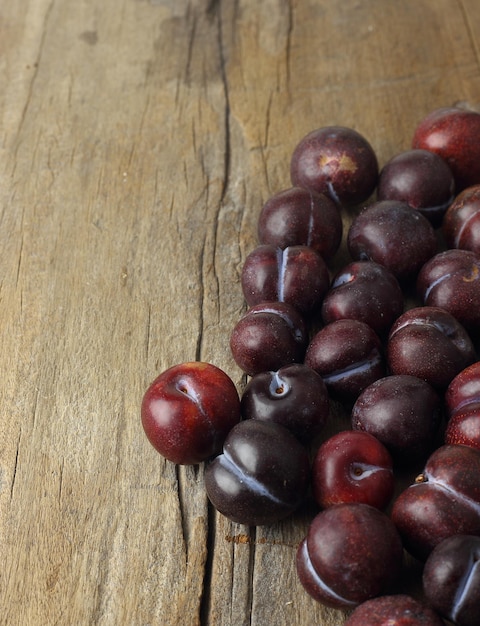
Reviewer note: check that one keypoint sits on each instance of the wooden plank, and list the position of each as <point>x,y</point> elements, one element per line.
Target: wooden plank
<point>139,140</point>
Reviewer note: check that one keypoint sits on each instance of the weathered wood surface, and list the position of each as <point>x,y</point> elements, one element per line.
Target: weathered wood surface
<point>138,142</point>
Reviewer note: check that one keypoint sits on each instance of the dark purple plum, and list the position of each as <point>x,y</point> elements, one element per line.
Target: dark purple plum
<point>451,280</point>
<point>295,396</point>
<point>365,291</point>
<point>348,356</point>
<point>267,337</point>
<point>352,552</point>
<point>462,400</point>
<point>451,579</point>
<point>461,223</point>
<point>403,412</point>
<point>443,501</point>
<point>393,234</point>
<point>431,344</point>
<point>298,216</point>
<point>297,275</point>
<point>262,475</point>
<point>454,134</point>
<point>420,178</point>
<point>336,161</point>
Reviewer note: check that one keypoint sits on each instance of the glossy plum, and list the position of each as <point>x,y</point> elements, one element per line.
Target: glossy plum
<point>352,552</point>
<point>267,337</point>
<point>295,396</point>
<point>443,501</point>
<point>420,178</point>
<point>298,216</point>
<point>336,161</point>
<point>403,412</point>
<point>462,400</point>
<point>297,275</point>
<point>352,466</point>
<point>348,356</point>
<point>393,234</point>
<point>451,280</point>
<point>454,134</point>
<point>262,475</point>
<point>365,291</point>
<point>451,579</point>
<point>188,410</point>
<point>431,344</point>
<point>394,610</point>
<point>461,223</point>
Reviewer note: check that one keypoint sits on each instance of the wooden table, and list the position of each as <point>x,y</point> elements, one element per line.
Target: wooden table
<point>139,140</point>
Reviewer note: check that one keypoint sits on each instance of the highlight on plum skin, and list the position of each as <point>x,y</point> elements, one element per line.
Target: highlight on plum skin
<point>188,410</point>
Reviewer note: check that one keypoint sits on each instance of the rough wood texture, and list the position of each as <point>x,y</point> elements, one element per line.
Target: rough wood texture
<point>138,142</point>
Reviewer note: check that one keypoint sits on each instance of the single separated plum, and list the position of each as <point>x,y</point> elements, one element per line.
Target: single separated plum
<point>451,579</point>
<point>336,161</point>
<point>295,396</point>
<point>454,134</point>
<point>443,501</point>
<point>352,466</point>
<point>299,216</point>
<point>188,410</point>
<point>393,234</point>
<point>420,178</point>
<point>261,476</point>
<point>462,400</point>
<point>451,280</point>
<point>461,222</point>
<point>403,412</point>
<point>365,291</point>
<point>297,275</point>
<point>394,610</point>
<point>352,552</point>
<point>267,337</point>
<point>431,344</point>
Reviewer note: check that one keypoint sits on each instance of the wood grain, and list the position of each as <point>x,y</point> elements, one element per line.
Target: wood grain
<point>139,140</point>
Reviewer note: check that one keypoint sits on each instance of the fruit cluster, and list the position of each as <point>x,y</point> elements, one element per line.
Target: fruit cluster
<point>408,374</point>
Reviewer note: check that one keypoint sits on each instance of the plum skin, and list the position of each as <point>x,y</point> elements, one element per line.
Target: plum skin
<point>294,396</point>
<point>422,179</point>
<point>352,552</point>
<point>267,337</point>
<point>365,291</point>
<point>443,501</point>
<point>336,161</point>
<point>452,133</point>
<point>451,579</point>
<point>188,410</point>
<point>297,275</point>
<point>451,280</point>
<point>461,222</point>
<point>298,216</point>
<point>393,234</point>
<point>403,412</point>
<point>430,343</point>
<point>352,466</point>
<point>348,356</point>
<point>394,610</point>
<point>261,476</point>
<point>462,400</point>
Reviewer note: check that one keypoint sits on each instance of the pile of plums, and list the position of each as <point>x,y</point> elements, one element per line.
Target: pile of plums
<point>392,336</point>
